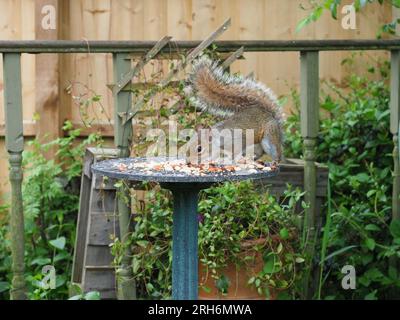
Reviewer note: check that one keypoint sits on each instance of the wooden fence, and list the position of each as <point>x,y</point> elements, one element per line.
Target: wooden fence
<point>309,74</point>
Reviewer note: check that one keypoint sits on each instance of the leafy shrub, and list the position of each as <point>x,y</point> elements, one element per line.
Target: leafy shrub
<point>354,140</point>
<point>50,210</point>
<point>229,215</point>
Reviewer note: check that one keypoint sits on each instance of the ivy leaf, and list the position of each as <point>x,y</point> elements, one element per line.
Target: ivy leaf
<point>206,289</point>
<point>58,243</point>
<point>269,263</point>
<point>222,284</point>
<point>284,233</point>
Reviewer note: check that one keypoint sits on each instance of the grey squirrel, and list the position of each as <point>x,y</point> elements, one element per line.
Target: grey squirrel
<point>243,104</point>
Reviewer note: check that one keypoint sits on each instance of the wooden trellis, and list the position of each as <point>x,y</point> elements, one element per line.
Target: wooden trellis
<point>309,49</point>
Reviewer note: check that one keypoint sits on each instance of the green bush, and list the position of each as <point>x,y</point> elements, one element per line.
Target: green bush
<point>229,215</point>
<point>50,210</point>
<point>355,141</point>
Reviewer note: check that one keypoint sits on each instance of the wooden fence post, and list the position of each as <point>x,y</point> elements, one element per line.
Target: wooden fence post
<point>309,117</point>
<point>122,140</point>
<point>15,146</point>
<point>394,128</point>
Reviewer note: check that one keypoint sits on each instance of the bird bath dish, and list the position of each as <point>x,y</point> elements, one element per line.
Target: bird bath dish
<point>185,181</point>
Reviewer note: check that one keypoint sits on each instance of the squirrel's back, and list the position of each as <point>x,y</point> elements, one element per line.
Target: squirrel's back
<point>222,94</point>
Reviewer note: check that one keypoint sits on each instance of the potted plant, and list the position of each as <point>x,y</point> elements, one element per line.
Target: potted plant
<point>246,246</point>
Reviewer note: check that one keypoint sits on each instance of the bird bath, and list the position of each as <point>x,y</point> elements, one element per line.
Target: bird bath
<point>185,184</point>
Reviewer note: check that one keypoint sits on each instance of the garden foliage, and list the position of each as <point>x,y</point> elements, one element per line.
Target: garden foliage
<point>355,141</point>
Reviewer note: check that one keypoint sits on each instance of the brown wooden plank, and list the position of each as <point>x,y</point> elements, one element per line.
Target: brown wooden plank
<point>102,281</point>
<point>47,107</point>
<point>80,239</point>
<point>103,226</point>
<point>104,184</point>
<point>29,128</point>
<point>232,58</point>
<point>98,256</point>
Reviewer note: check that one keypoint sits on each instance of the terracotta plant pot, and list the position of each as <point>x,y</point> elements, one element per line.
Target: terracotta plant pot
<point>239,289</point>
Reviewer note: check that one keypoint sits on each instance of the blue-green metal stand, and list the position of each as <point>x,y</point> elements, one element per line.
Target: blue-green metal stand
<point>184,245</point>
<point>184,239</point>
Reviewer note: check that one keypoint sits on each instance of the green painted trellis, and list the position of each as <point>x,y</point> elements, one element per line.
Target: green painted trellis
<point>309,49</point>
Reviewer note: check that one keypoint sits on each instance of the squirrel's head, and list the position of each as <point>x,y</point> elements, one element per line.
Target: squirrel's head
<point>199,147</point>
<point>216,145</point>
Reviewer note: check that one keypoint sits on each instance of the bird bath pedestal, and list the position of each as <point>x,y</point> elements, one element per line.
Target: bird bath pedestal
<point>185,188</point>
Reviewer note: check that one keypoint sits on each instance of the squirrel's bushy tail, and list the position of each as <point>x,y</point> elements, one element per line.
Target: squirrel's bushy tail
<point>222,94</point>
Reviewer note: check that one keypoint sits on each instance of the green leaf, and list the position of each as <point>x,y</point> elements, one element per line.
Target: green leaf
<point>269,263</point>
<point>58,243</point>
<point>64,255</point>
<point>299,260</point>
<point>372,227</point>
<point>96,98</point>
<point>142,243</point>
<point>284,295</point>
<point>92,295</point>
<point>333,9</point>
<point>206,289</point>
<point>362,177</point>
<point>370,243</point>
<point>395,3</point>
<point>223,284</point>
<point>317,13</point>
<point>4,286</point>
<point>41,261</point>
<point>371,296</point>
<point>135,264</point>
<point>302,24</point>
<point>371,192</point>
<point>284,233</point>
<point>338,252</point>
<point>395,228</point>
<point>373,274</point>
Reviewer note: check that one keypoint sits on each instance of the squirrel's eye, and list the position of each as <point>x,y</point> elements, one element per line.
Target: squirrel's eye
<point>199,149</point>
